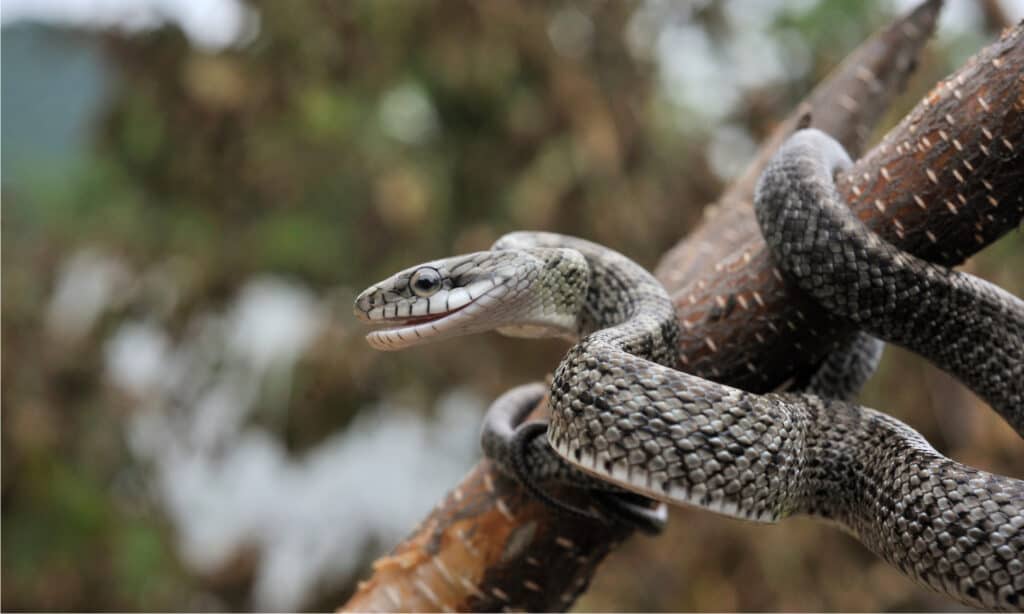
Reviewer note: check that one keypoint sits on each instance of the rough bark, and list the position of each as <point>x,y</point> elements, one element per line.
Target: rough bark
<point>943,184</point>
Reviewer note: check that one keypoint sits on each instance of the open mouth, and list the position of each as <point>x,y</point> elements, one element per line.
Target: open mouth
<point>397,328</point>
<point>401,332</point>
<point>416,320</point>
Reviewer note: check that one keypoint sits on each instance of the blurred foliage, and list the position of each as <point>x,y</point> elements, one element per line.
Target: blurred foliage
<point>349,140</point>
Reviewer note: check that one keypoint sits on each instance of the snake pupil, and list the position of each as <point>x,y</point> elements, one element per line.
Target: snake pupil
<point>425,282</point>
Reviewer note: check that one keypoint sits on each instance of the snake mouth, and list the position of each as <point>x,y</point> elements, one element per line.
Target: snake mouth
<point>397,322</point>
<point>397,332</point>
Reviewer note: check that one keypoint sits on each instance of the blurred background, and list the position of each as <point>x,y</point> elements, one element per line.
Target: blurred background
<point>194,191</point>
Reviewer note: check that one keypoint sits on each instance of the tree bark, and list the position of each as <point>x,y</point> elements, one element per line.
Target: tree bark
<point>944,183</point>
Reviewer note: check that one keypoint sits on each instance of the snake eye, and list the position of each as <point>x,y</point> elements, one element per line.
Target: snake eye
<point>425,282</point>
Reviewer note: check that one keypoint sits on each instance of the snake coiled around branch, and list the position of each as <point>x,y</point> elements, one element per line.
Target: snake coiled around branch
<point>623,414</point>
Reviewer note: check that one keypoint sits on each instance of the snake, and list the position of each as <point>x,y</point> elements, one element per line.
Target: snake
<point>625,416</point>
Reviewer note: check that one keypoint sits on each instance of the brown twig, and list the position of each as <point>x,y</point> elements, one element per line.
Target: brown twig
<point>943,184</point>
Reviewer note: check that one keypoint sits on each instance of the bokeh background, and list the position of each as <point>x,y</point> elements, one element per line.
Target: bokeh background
<point>193,192</point>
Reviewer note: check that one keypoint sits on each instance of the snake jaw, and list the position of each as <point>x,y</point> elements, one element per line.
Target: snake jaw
<point>423,321</point>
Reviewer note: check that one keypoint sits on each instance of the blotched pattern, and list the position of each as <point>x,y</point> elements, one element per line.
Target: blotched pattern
<point>844,372</point>
<point>679,438</point>
<point>965,325</point>
<point>622,413</point>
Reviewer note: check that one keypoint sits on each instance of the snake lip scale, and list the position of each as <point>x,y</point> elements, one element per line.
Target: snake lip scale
<point>388,324</point>
<point>424,318</point>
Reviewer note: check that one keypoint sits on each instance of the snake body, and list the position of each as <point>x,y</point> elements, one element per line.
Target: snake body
<point>623,414</point>
<point>965,325</point>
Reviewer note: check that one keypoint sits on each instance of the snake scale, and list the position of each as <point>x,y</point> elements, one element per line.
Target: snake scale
<point>623,416</point>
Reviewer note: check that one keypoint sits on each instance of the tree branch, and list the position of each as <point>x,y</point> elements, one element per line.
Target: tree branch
<point>943,184</point>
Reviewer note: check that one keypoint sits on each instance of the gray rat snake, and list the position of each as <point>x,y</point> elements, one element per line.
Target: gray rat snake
<point>623,416</point>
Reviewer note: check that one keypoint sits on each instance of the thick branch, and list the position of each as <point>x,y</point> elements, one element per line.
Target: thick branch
<point>847,106</point>
<point>942,184</point>
<point>489,546</point>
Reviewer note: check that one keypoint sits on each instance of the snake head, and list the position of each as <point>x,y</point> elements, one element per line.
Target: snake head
<point>524,292</point>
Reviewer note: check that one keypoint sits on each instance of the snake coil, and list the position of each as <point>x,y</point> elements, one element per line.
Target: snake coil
<point>623,415</point>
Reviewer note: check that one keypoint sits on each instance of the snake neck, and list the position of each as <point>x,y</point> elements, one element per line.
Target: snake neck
<point>627,310</point>
<point>623,307</point>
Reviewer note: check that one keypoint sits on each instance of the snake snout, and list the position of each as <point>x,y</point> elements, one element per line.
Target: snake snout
<point>364,303</point>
